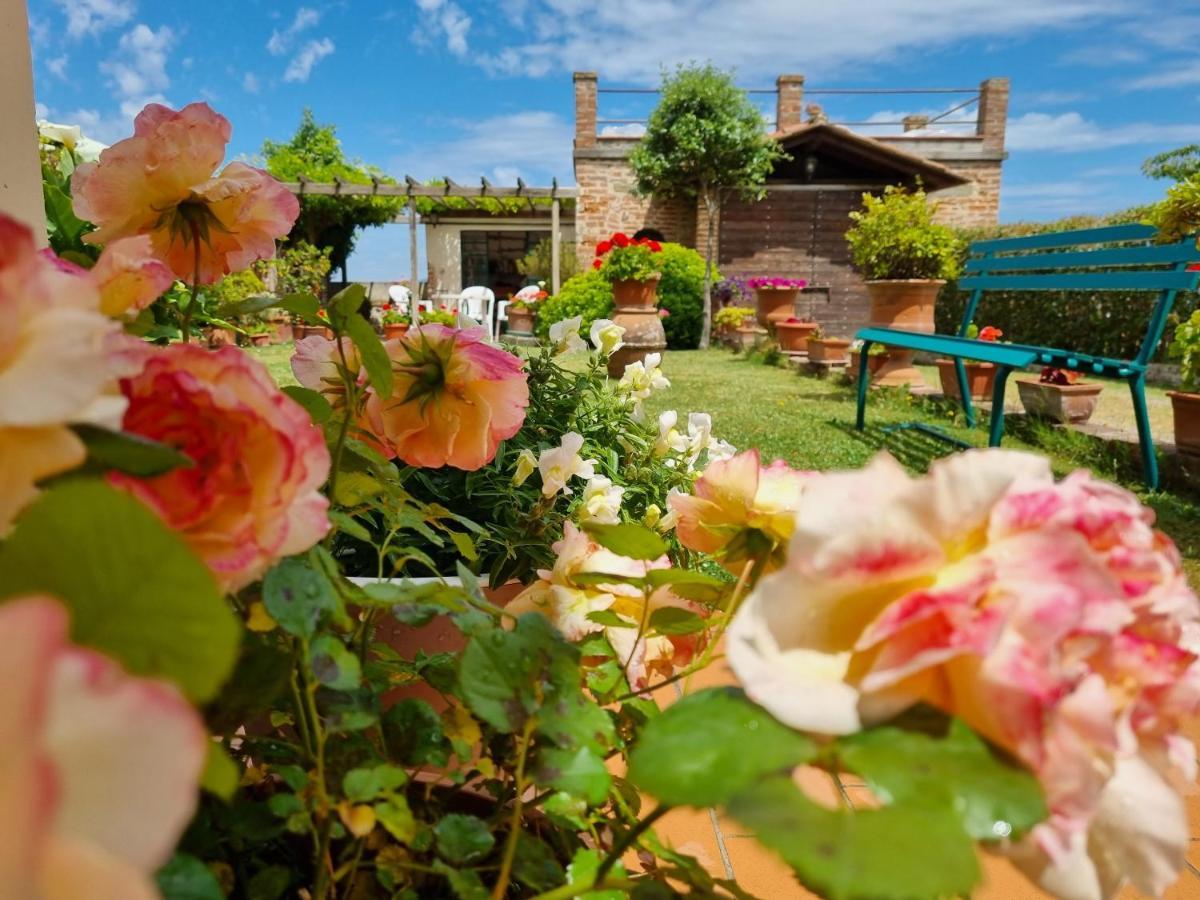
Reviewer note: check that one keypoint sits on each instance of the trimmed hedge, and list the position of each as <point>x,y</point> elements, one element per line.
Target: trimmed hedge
<point>1105,323</point>
<point>680,293</point>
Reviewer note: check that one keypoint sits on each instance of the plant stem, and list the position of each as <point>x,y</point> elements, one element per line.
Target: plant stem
<point>186,325</point>
<point>322,863</point>
<point>751,572</point>
<point>567,891</point>
<point>514,825</point>
<point>351,384</point>
<point>628,839</point>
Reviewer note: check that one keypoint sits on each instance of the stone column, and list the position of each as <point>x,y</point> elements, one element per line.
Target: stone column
<point>915,122</point>
<point>789,102</point>
<point>585,109</point>
<point>993,113</point>
<point>20,170</point>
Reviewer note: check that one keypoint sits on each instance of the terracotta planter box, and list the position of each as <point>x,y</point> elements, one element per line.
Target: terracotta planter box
<point>394,330</point>
<point>1063,403</point>
<point>829,350</point>
<point>520,321</point>
<point>1186,408</point>
<point>775,305</point>
<point>793,336</point>
<point>636,294</point>
<point>981,376</point>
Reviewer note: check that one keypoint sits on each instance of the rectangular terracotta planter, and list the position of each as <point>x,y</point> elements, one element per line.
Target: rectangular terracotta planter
<point>980,378</point>
<point>1063,403</point>
<point>830,350</point>
<point>1186,408</point>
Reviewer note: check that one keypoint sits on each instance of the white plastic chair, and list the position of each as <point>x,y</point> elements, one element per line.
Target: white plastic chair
<point>478,303</point>
<point>501,318</point>
<point>401,297</point>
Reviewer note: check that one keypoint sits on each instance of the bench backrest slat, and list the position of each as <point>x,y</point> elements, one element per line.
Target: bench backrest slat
<point>1163,279</point>
<point>1105,235</point>
<point>1142,255</point>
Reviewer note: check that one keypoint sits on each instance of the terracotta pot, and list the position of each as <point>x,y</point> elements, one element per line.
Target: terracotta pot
<point>907,304</point>
<point>980,378</point>
<point>395,330</point>
<point>874,363</point>
<point>281,332</point>
<point>831,350</point>
<point>636,312</point>
<point>775,305</point>
<point>1186,408</point>
<point>520,321</point>
<point>261,339</point>
<point>793,336</point>
<point>746,337</point>
<point>1062,403</point>
<point>219,337</point>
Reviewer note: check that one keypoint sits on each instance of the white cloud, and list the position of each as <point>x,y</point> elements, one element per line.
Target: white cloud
<point>1180,75</point>
<point>448,20</point>
<point>107,129</point>
<point>250,83</point>
<point>631,40</point>
<point>90,17</point>
<point>308,56</point>
<point>629,129</point>
<point>41,111</point>
<point>1070,132</point>
<point>535,145</point>
<point>57,66</point>
<point>140,67</point>
<point>281,41</point>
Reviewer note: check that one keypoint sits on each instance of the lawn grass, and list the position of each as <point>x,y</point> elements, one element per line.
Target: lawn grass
<point>809,423</point>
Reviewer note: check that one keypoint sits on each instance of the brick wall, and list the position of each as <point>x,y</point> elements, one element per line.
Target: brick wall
<point>979,204</point>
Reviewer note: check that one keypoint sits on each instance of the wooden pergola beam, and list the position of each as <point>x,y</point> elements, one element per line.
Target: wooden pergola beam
<point>415,189</point>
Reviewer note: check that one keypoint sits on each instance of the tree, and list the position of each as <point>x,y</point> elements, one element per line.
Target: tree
<point>704,137</point>
<point>315,153</point>
<point>1178,165</point>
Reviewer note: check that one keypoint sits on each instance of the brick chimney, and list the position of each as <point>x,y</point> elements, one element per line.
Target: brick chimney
<point>993,113</point>
<point>789,102</point>
<point>585,109</point>
<point>915,122</point>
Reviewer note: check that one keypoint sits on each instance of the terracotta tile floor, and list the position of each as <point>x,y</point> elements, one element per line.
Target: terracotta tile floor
<point>727,851</point>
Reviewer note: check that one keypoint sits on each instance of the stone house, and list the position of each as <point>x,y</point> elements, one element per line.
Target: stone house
<point>798,229</point>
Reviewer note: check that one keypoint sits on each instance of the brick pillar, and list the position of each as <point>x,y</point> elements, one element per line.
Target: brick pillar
<point>789,102</point>
<point>915,122</point>
<point>585,109</point>
<point>993,112</point>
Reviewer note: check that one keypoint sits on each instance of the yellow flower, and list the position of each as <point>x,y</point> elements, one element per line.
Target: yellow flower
<point>526,465</point>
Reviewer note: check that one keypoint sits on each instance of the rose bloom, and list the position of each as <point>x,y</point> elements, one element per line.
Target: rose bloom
<point>252,495</point>
<point>567,604</point>
<point>129,275</point>
<point>455,398</point>
<point>315,362</point>
<point>740,507</point>
<point>1051,617</point>
<point>58,363</point>
<point>98,769</point>
<point>162,182</point>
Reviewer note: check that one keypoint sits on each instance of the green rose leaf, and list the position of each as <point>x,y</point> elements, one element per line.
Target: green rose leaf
<point>247,307</point>
<point>374,357</point>
<point>334,665</point>
<point>346,302</point>
<point>297,596</point>
<point>674,620</point>
<point>463,839</point>
<point>629,539</point>
<point>314,403</point>
<point>221,774</point>
<point>709,746</point>
<point>581,773</point>
<point>413,734</point>
<point>609,619</point>
<point>692,585</point>
<point>306,306</point>
<point>130,453</point>
<point>187,878</point>
<point>841,854</point>
<point>995,798</point>
<point>535,866</point>
<point>397,819</point>
<point>134,589</point>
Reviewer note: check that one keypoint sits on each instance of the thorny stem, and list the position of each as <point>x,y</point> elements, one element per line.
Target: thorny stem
<point>628,839</point>
<point>351,384</point>
<point>186,325</point>
<point>322,863</point>
<point>514,827</point>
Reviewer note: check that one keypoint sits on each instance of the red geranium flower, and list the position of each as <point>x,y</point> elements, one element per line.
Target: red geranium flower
<point>990,333</point>
<point>655,246</point>
<point>603,247</point>
<point>596,263</point>
<point>620,239</point>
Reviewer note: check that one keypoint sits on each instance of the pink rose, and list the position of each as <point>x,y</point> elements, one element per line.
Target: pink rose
<point>129,276</point>
<point>98,769</point>
<point>163,182</point>
<point>1052,617</point>
<point>252,495</point>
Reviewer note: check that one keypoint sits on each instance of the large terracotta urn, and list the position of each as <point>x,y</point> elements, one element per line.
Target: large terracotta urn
<point>906,304</point>
<point>636,310</point>
<point>775,305</point>
<point>1186,410</point>
<point>520,321</point>
<point>793,335</point>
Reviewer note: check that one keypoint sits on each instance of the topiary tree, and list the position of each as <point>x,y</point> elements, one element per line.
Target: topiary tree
<point>315,153</point>
<point>703,138</point>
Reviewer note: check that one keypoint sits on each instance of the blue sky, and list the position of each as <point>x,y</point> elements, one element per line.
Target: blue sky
<point>463,88</point>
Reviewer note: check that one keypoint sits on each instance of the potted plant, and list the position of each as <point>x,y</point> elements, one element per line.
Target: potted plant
<point>522,309</point>
<point>1059,395</point>
<point>1185,403</point>
<point>906,259</point>
<point>775,299</point>
<point>793,334</point>
<point>828,349</point>
<point>634,268</point>
<point>729,319</point>
<point>439,316</point>
<point>980,375</point>
<point>258,333</point>
<point>395,323</point>
<point>877,358</point>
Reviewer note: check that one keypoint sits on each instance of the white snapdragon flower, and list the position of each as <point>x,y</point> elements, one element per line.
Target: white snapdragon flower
<point>559,465</point>
<point>644,377</point>
<point>564,335</point>
<point>607,336</point>
<point>670,439</point>
<point>527,464</point>
<point>601,502</point>
<point>719,451</point>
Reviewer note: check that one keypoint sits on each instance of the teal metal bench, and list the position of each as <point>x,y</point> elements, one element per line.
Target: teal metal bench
<point>1117,258</point>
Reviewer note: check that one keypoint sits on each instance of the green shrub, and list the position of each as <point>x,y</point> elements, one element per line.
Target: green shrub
<point>680,293</point>
<point>894,236</point>
<point>537,263</point>
<point>1186,348</point>
<point>1178,215</point>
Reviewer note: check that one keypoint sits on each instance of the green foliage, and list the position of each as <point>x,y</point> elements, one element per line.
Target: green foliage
<point>1178,215</point>
<point>1186,348</point>
<point>112,562</point>
<point>64,229</point>
<point>732,316</point>
<point>300,268</point>
<point>634,262</point>
<point>236,287</point>
<point>315,153</point>
<point>1179,164</point>
<point>588,295</point>
<point>537,264</point>
<point>894,236</point>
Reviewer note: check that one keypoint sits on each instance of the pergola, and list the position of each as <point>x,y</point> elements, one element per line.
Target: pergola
<point>411,189</point>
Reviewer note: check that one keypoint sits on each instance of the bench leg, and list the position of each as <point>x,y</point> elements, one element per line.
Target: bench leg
<point>964,391</point>
<point>996,431</point>
<point>864,381</point>
<point>1137,389</point>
